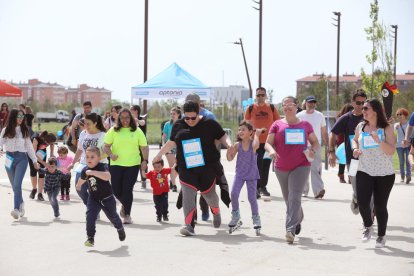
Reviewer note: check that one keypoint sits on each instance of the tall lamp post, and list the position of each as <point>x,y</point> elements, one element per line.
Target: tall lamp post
<point>395,27</point>
<point>260,9</point>
<point>240,42</point>
<point>338,25</point>
<point>144,108</point>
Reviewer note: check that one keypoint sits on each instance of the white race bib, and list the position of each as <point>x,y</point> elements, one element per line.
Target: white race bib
<point>8,162</point>
<point>294,136</point>
<point>368,142</point>
<point>193,153</point>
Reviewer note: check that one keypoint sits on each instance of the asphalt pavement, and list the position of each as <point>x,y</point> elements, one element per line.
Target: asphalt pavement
<point>329,244</point>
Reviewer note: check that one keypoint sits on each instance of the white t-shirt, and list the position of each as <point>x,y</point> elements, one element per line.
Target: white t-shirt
<point>90,140</point>
<point>316,119</point>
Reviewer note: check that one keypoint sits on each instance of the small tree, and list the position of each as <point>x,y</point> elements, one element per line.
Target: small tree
<point>381,51</point>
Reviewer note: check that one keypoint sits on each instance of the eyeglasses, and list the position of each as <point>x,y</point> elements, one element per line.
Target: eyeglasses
<point>399,114</point>
<point>260,95</point>
<point>190,118</point>
<point>359,102</point>
<point>20,116</point>
<point>365,108</point>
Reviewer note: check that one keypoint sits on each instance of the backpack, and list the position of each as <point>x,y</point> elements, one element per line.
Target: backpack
<point>272,107</point>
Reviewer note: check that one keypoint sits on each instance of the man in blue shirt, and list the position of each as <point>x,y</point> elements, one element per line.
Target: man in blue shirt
<point>409,130</point>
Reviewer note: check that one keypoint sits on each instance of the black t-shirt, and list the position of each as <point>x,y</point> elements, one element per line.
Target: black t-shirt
<point>29,119</point>
<point>207,130</point>
<point>98,188</point>
<point>346,125</point>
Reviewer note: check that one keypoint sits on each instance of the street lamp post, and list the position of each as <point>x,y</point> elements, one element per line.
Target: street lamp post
<point>144,108</point>
<point>240,42</point>
<point>260,9</point>
<point>338,25</point>
<point>395,27</point>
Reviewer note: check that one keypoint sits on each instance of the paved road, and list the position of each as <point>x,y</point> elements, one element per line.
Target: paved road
<point>328,245</point>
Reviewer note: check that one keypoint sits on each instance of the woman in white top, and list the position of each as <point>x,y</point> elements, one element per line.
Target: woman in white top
<point>92,136</point>
<point>374,145</point>
<point>15,138</point>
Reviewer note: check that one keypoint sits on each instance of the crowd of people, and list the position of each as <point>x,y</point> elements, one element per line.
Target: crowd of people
<point>110,153</point>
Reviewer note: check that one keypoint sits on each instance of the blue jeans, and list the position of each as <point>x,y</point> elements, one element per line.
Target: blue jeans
<point>108,205</point>
<point>403,158</point>
<point>83,193</point>
<point>16,174</point>
<point>52,195</point>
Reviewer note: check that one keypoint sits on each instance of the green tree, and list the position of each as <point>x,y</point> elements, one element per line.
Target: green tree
<point>380,57</point>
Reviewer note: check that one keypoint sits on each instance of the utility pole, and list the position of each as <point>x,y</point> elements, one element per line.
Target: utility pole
<point>144,108</point>
<point>240,42</point>
<point>395,27</point>
<point>260,9</point>
<point>338,25</point>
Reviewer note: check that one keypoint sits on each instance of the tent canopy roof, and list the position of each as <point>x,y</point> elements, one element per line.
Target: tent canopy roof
<point>8,90</point>
<point>173,77</point>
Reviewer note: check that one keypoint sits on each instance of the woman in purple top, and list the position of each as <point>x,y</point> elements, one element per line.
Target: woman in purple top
<point>246,171</point>
<point>290,137</point>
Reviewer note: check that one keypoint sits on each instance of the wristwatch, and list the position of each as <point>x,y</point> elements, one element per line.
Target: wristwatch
<point>145,161</point>
<point>331,150</point>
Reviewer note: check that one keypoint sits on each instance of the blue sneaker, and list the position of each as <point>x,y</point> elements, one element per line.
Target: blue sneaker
<point>205,216</point>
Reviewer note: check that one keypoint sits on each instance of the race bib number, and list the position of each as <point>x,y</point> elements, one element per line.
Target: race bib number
<point>41,154</point>
<point>368,142</point>
<point>193,153</point>
<point>294,136</point>
<point>8,162</point>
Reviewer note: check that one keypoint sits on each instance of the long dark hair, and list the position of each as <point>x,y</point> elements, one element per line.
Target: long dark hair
<point>96,119</point>
<point>117,108</point>
<point>10,131</point>
<point>177,110</point>
<point>246,124</point>
<point>344,109</point>
<point>132,124</point>
<point>46,137</point>
<point>137,108</point>
<point>378,108</point>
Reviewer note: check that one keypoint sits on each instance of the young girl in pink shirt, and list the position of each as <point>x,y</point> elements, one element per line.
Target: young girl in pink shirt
<point>63,163</point>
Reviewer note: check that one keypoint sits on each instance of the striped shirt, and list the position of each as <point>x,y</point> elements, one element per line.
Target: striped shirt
<point>52,180</point>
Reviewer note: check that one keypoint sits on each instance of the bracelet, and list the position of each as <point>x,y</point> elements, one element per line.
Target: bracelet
<point>331,150</point>
<point>144,161</point>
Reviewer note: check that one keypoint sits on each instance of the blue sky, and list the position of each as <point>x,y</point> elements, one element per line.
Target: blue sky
<point>101,42</point>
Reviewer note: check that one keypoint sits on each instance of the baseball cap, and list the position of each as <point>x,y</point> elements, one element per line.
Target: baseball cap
<point>193,97</point>
<point>310,99</point>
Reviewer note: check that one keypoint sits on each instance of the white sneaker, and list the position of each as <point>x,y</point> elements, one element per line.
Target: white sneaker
<point>290,237</point>
<point>380,242</point>
<point>366,235</point>
<point>15,214</point>
<point>127,219</point>
<point>21,209</point>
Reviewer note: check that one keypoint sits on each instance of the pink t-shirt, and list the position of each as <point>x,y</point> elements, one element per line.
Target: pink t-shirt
<point>63,163</point>
<point>290,156</point>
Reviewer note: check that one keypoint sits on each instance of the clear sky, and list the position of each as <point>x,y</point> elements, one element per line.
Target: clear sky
<point>100,42</point>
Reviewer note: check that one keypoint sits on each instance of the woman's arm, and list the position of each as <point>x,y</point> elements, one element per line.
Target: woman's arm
<point>387,146</point>
<point>356,151</point>
<point>75,159</point>
<point>166,148</point>
<point>108,151</point>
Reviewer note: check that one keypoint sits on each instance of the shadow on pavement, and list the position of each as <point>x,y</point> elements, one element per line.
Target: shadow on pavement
<point>24,221</point>
<point>401,228</point>
<point>308,244</point>
<point>120,252</point>
<point>161,226</point>
<point>393,252</point>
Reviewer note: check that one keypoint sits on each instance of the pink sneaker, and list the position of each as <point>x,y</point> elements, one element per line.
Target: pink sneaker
<point>62,197</point>
<point>67,197</point>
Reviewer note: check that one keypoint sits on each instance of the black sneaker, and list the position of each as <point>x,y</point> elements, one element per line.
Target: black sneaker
<point>258,195</point>
<point>158,218</point>
<point>40,197</point>
<point>121,234</point>
<point>165,218</point>
<point>33,193</point>
<point>298,228</point>
<point>144,184</point>
<point>90,242</point>
<point>171,185</point>
<point>174,188</point>
<point>264,192</point>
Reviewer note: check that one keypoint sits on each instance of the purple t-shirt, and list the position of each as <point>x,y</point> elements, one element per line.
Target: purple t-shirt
<point>290,156</point>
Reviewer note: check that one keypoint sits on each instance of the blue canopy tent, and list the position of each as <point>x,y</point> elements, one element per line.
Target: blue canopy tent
<point>174,82</point>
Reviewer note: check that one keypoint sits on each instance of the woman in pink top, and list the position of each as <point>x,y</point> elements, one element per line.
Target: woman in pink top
<point>290,137</point>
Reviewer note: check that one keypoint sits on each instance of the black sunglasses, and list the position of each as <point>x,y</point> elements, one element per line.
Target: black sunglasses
<point>365,108</point>
<point>260,95</point>
<point>359,102</point>
<point>190,118</point>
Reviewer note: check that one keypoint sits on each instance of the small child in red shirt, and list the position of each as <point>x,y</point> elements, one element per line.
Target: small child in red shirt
<point>160,188</point>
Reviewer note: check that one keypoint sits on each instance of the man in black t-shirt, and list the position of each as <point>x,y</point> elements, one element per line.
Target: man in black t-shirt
<point>346,125</point>
<point>100,197</point>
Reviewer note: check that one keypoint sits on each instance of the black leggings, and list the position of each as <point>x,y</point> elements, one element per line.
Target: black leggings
<point>380,187</point>
<point>65,186</point>
<point>123,181</point>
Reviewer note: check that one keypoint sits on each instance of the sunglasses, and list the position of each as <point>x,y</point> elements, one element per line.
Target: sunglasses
<point>365,108</point>
<point>399,114</point>
<point>190,118</point>
<point>260,95</point>
<point>359,102</point>
<point>20,116</point>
